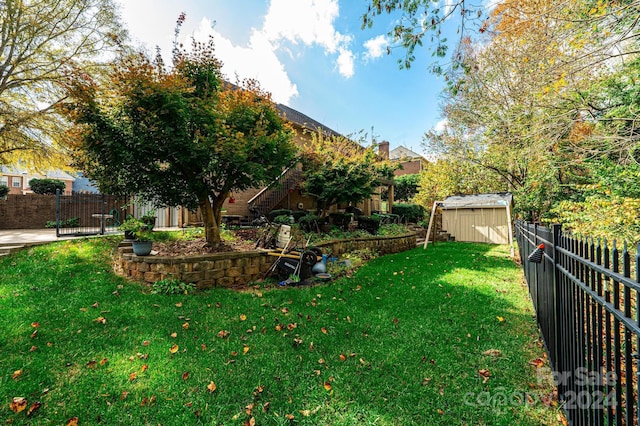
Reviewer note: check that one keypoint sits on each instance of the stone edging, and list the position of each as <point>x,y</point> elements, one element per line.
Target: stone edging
<point>235,269</point>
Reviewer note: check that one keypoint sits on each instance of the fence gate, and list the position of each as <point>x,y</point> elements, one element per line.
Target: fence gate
<point>87,214</point>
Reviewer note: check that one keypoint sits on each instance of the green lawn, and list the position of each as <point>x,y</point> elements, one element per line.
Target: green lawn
<point>425,337</point>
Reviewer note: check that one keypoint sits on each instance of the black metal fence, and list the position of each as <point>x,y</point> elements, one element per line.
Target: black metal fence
<point>587,308</point>
<point>88,214</point>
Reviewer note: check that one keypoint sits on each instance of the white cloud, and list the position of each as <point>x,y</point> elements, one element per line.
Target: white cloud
<point>441,125</point>
<point>376,47</point>
<point>308,21</point>
<point>256,60</point>
<point>345,63</point>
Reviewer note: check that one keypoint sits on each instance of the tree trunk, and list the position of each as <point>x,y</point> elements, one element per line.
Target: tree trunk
<point>211,224</point>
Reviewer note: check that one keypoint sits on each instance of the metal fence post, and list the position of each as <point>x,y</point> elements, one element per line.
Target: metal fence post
<point>556,359</point>
<point>57,212</point>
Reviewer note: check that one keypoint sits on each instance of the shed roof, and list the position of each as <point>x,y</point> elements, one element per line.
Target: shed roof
<point>499,199</point>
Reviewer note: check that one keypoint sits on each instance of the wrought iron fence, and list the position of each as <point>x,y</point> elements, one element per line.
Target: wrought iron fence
<point>88,214</point>
<point>587,309</point>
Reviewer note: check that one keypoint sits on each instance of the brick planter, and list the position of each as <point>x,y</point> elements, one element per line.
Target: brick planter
<point>234,269</point>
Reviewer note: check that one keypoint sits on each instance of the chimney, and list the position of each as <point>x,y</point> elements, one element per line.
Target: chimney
<point>383,150</point>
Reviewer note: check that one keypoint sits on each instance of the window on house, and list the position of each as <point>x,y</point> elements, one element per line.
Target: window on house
<point>4,181</point>
<point>15,182</point>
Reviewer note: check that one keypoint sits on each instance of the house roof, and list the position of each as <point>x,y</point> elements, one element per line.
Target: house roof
<point>500,199</point>
<point>50,174</point>
<point>304,120</point>
<point>401,153</point>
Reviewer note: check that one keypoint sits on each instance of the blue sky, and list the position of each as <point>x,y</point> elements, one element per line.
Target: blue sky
<point>311,55</point>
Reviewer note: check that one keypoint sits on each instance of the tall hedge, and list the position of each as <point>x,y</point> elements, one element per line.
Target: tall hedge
<point>409,212</point>
<point>46,186</point>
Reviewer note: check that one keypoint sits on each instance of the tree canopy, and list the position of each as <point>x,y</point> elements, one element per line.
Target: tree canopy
<point>338,169</point>
<point>178,136</point>
<point>39,40</point>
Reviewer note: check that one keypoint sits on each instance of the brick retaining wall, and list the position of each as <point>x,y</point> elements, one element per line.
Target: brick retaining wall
<point>234,269</point>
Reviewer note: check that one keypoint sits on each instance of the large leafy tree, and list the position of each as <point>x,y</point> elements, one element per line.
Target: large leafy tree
<point>338,169</point>
<point>181,136</point>
<point>38,41</point>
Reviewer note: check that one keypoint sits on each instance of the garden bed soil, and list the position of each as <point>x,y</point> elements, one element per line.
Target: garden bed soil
<point>245,241</point>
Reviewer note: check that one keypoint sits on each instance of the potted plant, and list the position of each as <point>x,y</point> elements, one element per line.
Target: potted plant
<point>140,230</point>
<point>149,218</point>
<point>4,190</point>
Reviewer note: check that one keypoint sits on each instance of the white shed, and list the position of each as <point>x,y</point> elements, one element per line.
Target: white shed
<point>480,218</point>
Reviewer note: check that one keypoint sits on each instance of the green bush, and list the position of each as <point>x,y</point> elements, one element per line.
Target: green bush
<point>72,222</point>
<point>311,223</point>
<point>46,186</point>
<point>172,286</point>
<point>279,212</point>
<point>298,214</point>
<point>371,224</point>
<point>4,190</point>
<point>284,219</point>
<point>341,220</point>
<point>409,212</point>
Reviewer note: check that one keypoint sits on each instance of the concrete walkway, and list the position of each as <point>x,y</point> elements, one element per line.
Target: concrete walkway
<point>29,236</point>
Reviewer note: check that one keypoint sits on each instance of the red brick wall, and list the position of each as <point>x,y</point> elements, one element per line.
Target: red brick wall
<point>408,168</point>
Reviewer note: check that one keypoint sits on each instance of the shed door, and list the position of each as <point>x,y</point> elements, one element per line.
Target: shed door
<point>473,227</point>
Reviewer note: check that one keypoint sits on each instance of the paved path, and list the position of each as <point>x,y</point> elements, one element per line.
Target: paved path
<point>26,236</point>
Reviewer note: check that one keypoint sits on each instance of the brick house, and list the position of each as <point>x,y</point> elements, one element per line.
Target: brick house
<point>411,162</point>
<point>17,179</point>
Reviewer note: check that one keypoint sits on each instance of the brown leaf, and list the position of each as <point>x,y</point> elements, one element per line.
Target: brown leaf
<point>73,421</point>
<point>278,327</point>
<point>324,330</point>
<point>185,325</point>
<point>145,343</point>
<point>292,326</point>
<point>285,310</point>
<point>34,408</point>
<point>174,349</point>
<point>289,416</point>
<point>35,324</point>
<point>95,305</point>
<point>179,305</point>
<point>327,386</point>
<point>18,404</point>
<point>203,347</point>
<point>133,376</point>
<point>249,409</point>
<point>245,349</point>
<point>103,361</point>
<point>425,381</point>
<point>243,317</point>
<point>211,387</point>
<point>92,363</point>
<point>538,362</point>
<point>266,407</point>
<point>144,401</point>
<point>33,348</point>
<point>485,374</point>
<point>144,367</point>
<point>174,334</point>
<point>343,357</point>
<point>492,352</point>
<point>101,320</point>
<point>34,334</point>
<point>16,374</point>
<point>321,361</point>
<point>223,334</point>
<point>185,375</point>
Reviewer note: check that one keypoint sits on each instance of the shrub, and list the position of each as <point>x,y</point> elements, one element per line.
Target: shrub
<point>311,223</point>
<point>72,222</point>
<point>46,186</point>
<point>284,219</point>
<point>409,212</point>
<point>298,214</point>
<point>172,286</point>
<point>341,220</point>
<point>279,212</point>
<point>371,224</point>
<point>4,190</point>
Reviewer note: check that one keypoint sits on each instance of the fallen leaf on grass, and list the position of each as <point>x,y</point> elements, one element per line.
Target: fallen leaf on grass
<point>500,319</point>
<point>35,324</point>
<point>92,363</point>
<point>327,386</point>
<point>250,422</point>
<point>73,421</point>
<point>179,304</point>
<point>245,349</point>
<point>266,407</point>
<point>538,362</point>
<point>485,374</point>
<point>492,352</point>
<point>343,357</point>
<point>144,367</point>
<point>243,317</point>
<point>101,320</point>
<point>289,416</point>
<point>34,408</point>
<point>249,409</point>
<point>211,387</point>
<point>185,375</point>
<point>174,349</point>
<point>324,330</point>
<point>103,361</point>
<point>133,376</point>
<point>203,347</point>
<point>174,335</point>
<point>33,348</point>
<point>145,343</point>
<point>185,325</point>
<point>16,374</point>
<point>223,334</point>
<point>18,404</point>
